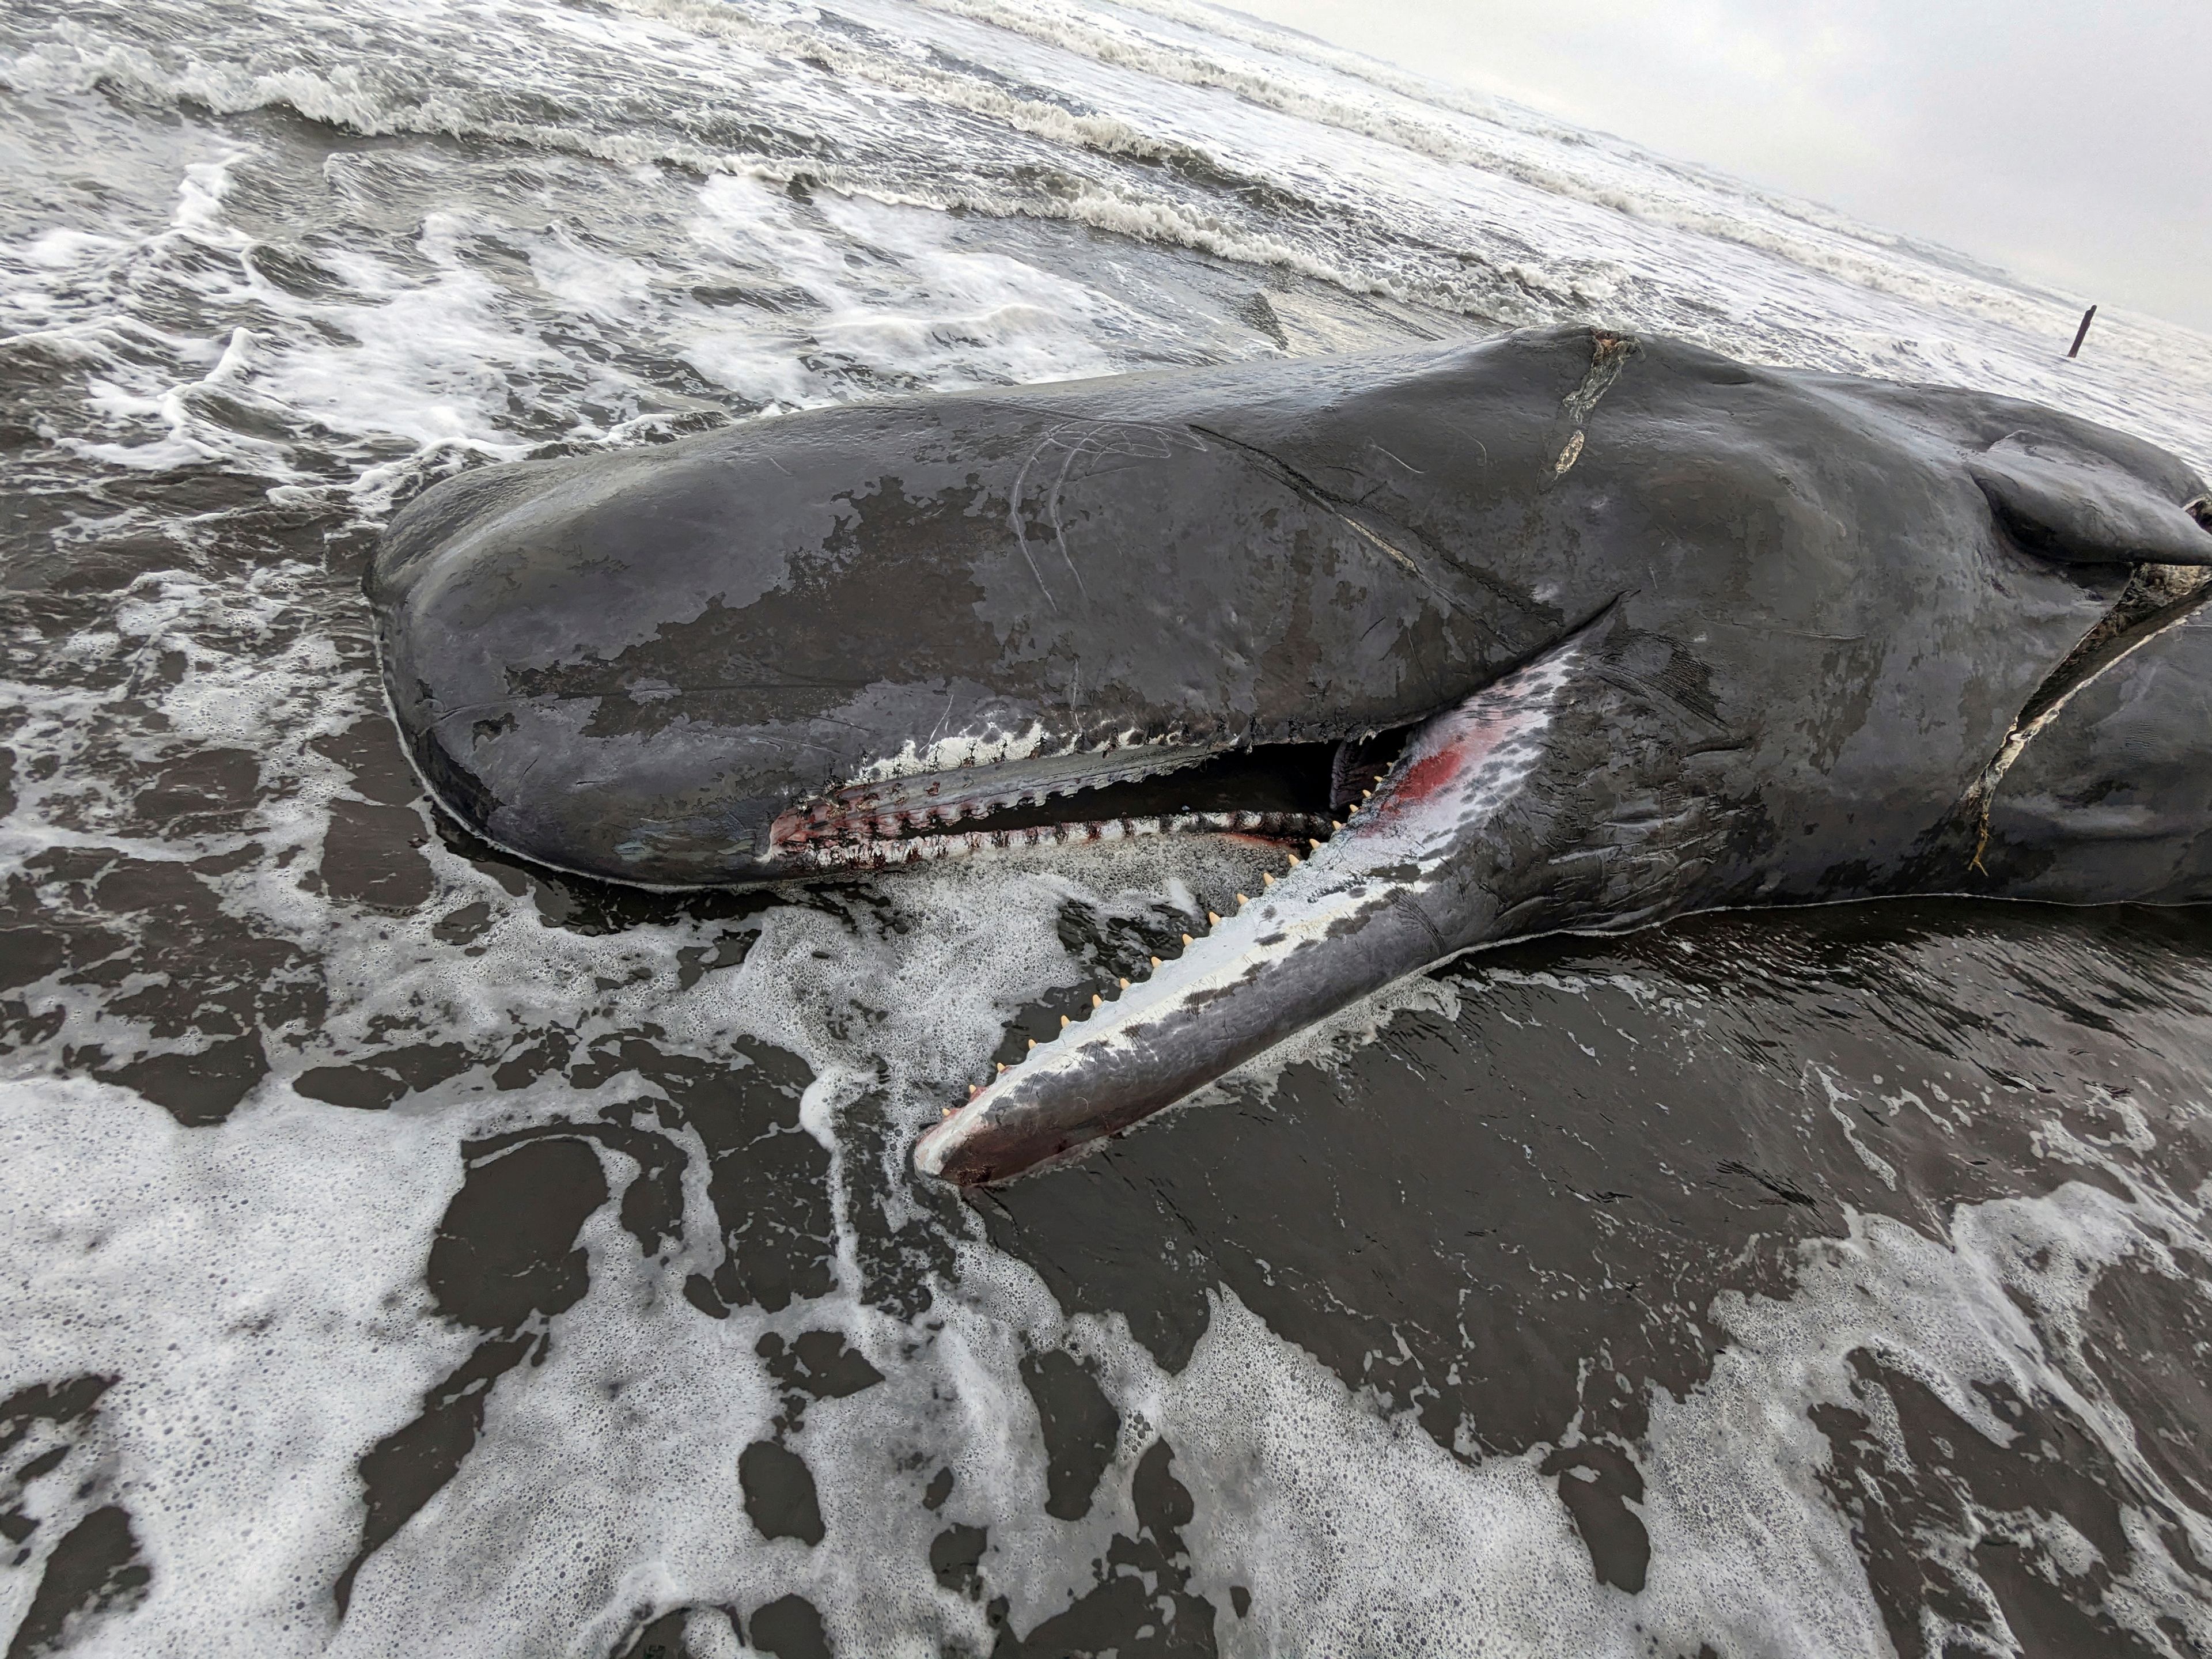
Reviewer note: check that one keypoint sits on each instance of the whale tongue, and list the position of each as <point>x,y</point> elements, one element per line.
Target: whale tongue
<point>1385,898</point>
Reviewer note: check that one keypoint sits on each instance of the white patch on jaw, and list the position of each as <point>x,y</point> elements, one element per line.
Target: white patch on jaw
<point>989,747</point>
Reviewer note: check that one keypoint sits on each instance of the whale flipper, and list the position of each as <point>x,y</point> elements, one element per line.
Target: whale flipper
<point>2079,507</point>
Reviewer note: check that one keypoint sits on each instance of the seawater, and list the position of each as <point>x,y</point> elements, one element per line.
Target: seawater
<point>409,1251</point>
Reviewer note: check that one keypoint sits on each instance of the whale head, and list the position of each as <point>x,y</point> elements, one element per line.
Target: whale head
<point>1564,630</point>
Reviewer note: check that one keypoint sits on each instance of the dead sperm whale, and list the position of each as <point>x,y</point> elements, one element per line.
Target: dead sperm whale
<point>1564,630</point>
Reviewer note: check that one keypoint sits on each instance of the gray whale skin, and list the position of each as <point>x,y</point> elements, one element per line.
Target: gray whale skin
<point>1565,630</point>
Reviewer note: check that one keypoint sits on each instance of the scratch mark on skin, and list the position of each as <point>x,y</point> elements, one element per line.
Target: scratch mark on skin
<point>1395,551</point>
<point>1014,518</point>
<point>1132,440</point>
<point>1763,628</point>
<point>1052,510</point>
<point>1331,503</point>
<point>711,689</point>
<point>1300,484</point>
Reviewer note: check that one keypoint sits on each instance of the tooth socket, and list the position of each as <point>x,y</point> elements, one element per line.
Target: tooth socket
<point>847,834</point>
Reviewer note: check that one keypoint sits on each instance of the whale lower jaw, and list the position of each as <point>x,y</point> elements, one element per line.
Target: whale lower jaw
<point>1390,894</point>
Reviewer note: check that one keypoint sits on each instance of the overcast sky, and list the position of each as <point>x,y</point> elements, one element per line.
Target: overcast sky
<point>2070,141</point>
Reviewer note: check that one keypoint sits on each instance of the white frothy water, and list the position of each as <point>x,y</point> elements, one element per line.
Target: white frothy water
<point>323,251</point>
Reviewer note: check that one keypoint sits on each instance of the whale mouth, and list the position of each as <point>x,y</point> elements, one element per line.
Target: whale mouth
<point>1284,793</point>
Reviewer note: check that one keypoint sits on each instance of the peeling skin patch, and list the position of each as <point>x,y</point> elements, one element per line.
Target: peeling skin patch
<point>944,754</point>
<point>1609,354</point>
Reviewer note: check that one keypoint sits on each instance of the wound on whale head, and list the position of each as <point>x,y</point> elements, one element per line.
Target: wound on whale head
<point>1561,630</point>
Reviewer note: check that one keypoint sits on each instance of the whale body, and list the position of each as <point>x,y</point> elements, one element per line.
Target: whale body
<point>1564,630</point>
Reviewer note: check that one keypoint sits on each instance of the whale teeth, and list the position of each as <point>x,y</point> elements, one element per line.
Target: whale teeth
<point>974,1089</point>
<point>1002,1068</point>
<point>1096,1000</point>
<point>1032,1042</point>
<point>1185,941</point>
<point>1242,901</point>
<point>947,1112</point>
<point>1214,918</point>
<point>1314,844</point>
<point>1295,859</point>
<point>1156,962</point>
<point>1125,984</point>
<point>1266,879</point>
<point>1063,1022</point>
